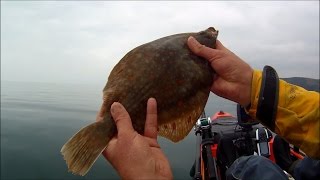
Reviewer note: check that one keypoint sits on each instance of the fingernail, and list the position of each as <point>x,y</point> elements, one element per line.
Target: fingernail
<point>115,107</point>
<point>193,43</point>
<point>152,99</point>
<point>192,40</point>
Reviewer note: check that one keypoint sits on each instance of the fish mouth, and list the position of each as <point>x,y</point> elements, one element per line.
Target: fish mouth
<point>209,33</point>
<point>212,31</point>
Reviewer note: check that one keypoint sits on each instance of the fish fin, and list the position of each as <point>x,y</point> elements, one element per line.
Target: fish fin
<point>179,128</point>
<point>83,149</point>
<point>177,122</point>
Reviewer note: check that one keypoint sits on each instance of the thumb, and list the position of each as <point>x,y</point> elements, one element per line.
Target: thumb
<point>121,118</point>
<point>202,50</point>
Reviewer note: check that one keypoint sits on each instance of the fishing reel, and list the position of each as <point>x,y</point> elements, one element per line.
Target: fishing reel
<point>203,123</point>
<point>203,128</point>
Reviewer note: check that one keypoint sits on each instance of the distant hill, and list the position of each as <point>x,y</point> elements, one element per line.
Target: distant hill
<point>306,83</point>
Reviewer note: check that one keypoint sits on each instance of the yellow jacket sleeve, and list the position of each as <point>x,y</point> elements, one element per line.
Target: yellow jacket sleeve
<point>297,118</point>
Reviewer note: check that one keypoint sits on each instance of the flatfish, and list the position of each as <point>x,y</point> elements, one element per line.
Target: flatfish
<point>164,69</point>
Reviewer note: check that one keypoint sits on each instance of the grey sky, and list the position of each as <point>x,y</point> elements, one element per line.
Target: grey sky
<point>81,41</point>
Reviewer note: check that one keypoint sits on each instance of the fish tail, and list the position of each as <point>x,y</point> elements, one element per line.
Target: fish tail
<point>83,149</point>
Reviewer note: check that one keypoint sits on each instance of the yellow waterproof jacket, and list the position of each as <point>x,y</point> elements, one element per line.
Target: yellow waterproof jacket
<point>297,118</point>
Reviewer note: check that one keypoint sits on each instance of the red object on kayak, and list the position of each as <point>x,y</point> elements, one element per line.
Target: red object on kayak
<point>221,114</point>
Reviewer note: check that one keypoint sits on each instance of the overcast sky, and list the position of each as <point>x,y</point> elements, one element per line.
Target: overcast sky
<point>81,41</point>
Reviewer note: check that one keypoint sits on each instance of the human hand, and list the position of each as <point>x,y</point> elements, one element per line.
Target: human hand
<point>135,156</point>
<point>233,76</point>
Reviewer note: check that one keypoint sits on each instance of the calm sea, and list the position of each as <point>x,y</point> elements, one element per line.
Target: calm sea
<point>38,118</point>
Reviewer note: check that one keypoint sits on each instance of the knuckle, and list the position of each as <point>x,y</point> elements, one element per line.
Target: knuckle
<point>151,123</point>
<point>199,49</point>
<point>121,117</point>
<point>216,55</point>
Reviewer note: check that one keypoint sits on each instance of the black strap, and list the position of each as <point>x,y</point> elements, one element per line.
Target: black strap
<point>268,98</point>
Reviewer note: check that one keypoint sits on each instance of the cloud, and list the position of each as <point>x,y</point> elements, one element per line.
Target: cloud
<point>82,41</point>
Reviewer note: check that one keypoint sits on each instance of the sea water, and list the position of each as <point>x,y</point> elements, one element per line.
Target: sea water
<point>38,118</point>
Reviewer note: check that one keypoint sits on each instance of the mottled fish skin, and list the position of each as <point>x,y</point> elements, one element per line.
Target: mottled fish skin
<point>167,70</point>
<point>164,69</point>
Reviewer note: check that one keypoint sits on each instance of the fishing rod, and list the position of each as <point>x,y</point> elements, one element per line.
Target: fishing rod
<point>207,168</point>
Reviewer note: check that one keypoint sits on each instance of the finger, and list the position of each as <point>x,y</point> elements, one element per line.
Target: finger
<point>107,153</point>
<point>151,125</point>
<point>152,142</point>
<point>219,45</point>
<point>121,118</point>
<point>202,50</point>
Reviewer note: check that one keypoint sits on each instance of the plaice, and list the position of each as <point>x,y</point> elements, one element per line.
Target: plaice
<point>164,69</point>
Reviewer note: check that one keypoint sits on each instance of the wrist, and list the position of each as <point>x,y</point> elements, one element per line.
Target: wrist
<point>251,108</point>
<point>246,90</point>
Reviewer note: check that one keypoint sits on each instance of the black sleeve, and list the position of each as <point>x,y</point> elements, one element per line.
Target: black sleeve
<point>268,98</point>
